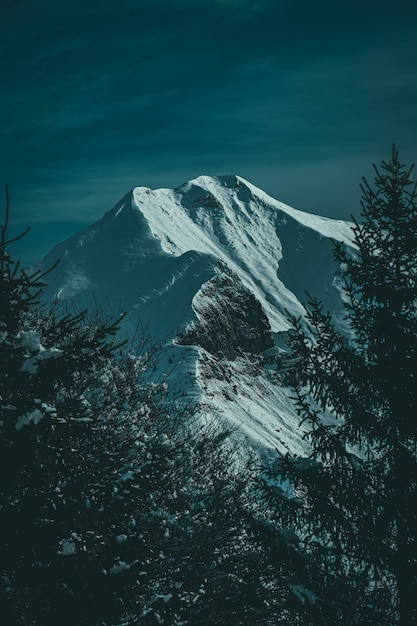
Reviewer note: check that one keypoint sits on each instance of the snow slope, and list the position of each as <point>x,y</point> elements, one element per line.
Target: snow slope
<point>154,252</point>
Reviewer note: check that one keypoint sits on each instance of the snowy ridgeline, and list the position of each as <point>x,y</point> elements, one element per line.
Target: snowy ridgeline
<point>210,270</point>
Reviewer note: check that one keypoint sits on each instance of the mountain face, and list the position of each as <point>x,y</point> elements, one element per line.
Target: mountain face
<point>230,322</point>
<point>210,269</point>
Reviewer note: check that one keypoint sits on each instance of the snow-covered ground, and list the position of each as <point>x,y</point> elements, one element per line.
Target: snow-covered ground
<point>155,250</point>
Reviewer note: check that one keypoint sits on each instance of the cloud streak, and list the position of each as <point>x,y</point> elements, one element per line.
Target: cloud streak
<point>100,98</point>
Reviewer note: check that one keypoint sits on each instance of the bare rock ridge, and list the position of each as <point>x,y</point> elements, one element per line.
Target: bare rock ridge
<point>231,321</point>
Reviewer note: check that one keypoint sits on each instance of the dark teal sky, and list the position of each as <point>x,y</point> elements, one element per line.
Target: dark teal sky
<point>299,97</point>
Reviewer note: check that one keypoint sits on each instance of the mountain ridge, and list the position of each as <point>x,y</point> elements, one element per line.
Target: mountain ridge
<point>165,255</point>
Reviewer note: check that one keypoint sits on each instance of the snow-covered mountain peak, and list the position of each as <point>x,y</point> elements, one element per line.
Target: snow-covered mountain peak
<point>261,239</point>
<point>244,193</point>
<point>215,256</point>
<point>276,251</point>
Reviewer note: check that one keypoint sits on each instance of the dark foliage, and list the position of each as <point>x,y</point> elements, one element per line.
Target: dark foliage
<point>354,501</point>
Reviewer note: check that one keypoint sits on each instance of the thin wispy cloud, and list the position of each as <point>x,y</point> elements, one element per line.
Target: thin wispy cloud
<point>100,98</point>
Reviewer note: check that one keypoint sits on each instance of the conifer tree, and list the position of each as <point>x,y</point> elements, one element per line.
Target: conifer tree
<point>358,491</point>
<point>51,397</point>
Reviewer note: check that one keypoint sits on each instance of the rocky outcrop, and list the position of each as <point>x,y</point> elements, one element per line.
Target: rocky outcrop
<point>231,320</point>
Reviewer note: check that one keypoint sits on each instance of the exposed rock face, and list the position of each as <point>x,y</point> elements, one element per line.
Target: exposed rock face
<point>231,320</point>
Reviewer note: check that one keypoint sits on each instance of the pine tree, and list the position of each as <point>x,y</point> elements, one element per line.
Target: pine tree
<point>358,517</point>
<point>51,370</point>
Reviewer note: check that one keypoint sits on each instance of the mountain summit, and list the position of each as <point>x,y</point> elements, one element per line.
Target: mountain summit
<point>210,268</point>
